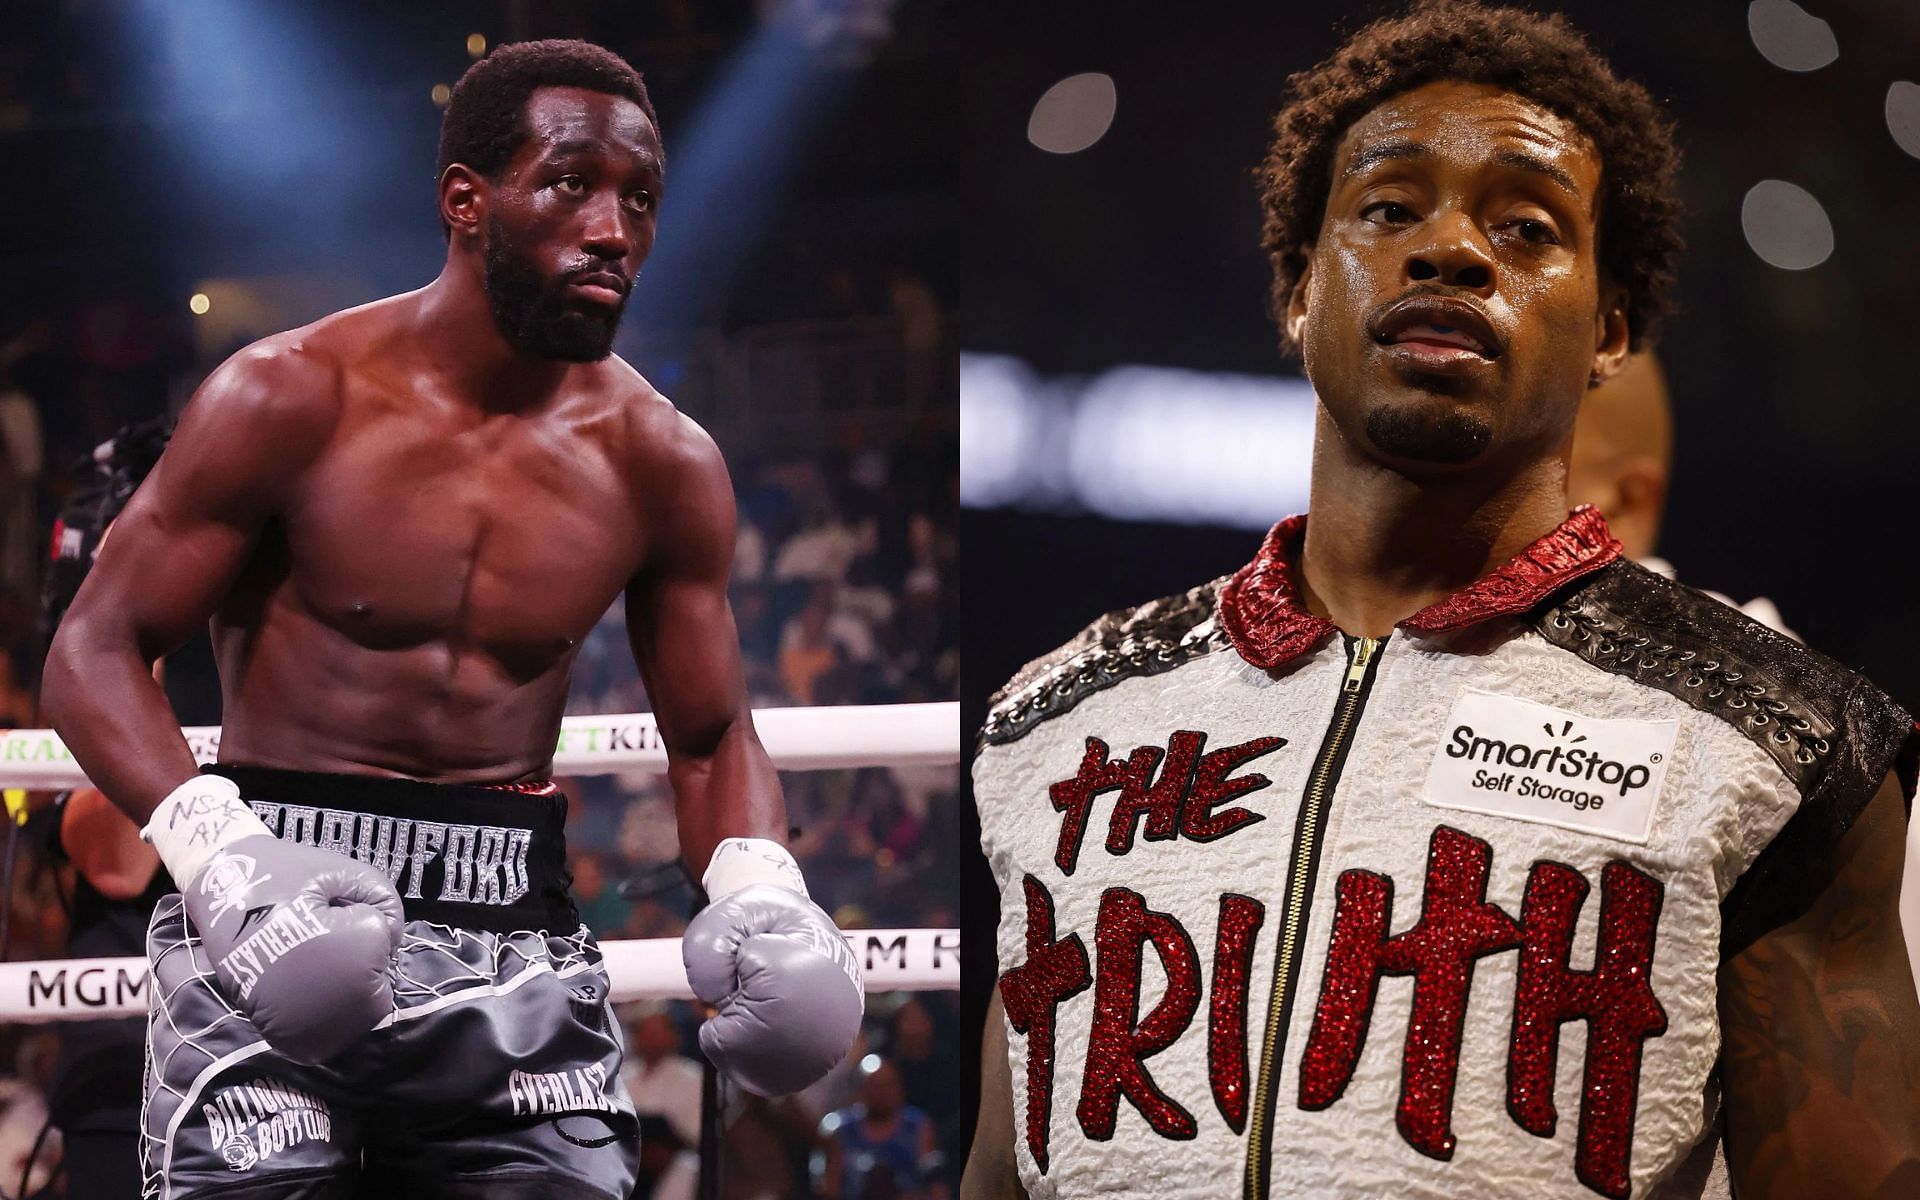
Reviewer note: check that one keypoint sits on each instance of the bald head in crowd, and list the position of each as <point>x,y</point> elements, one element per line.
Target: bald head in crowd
<point>1623,453</point>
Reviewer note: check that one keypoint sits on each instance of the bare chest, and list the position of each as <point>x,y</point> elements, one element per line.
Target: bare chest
<point>513,536</point>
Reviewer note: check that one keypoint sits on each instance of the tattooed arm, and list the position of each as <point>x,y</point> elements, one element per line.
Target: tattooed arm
<point>1820,1035</point>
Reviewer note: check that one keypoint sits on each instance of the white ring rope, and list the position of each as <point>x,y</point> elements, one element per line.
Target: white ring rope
<point>93,989</point>
<point>797,739</point>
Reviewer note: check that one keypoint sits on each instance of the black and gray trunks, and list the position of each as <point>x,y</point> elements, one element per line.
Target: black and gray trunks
<point>498,1073</point>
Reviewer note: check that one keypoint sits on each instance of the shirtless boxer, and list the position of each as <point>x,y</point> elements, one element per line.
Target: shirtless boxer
<point>401,521</point>
<point>1442,851</point>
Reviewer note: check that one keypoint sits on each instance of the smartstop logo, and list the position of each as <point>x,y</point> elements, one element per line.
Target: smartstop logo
<point>1560,755</point>
<point>1527,761</point>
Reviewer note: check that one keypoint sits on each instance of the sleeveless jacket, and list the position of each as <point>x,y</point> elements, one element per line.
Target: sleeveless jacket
<point>1289,913</point>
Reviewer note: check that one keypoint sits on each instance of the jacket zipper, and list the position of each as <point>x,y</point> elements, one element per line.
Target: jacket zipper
<point>1362,663</point>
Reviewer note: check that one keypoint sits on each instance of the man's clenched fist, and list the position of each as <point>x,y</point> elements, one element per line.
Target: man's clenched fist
<point>787,988</point>
<point>301,939</point>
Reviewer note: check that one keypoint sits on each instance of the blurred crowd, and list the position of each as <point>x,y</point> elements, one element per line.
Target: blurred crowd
<point>844,593</point>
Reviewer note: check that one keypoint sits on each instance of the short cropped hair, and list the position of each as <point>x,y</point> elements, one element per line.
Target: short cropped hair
<point>1540,58</point>
<point>485,121</point>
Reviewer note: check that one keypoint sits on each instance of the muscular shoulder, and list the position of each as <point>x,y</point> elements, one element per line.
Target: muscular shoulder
<point>1812,715</point>
<point>662,440</point>
<point>680,479</point>
<point>1144,640</point>
<point>282,387</point>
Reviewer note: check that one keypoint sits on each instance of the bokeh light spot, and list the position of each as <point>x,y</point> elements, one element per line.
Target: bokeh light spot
<point>1073,114</point>
<point>199,303</point>
<point>1903,116</point>
<point>1789,36</point>
<point>1785,225</point>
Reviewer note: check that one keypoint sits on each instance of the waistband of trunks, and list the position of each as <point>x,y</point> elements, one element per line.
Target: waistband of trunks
<point>465,855</point>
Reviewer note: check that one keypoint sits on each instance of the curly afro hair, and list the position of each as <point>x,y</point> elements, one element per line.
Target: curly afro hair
<point>1539,57</point>
<point>485,119</point>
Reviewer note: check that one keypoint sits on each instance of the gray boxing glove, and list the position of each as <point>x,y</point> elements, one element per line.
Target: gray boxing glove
<point>301,939</point>
<point>786,988</point>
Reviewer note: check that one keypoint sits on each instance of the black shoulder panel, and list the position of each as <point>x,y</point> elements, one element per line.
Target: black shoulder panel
<point>1834,735</point>
<point>1155,637</point>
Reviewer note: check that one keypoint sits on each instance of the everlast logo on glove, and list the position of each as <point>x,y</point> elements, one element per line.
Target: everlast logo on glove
<point>290,925</point>
<point>1533,762</point>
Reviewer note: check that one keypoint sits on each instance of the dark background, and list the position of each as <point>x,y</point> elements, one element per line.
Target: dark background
<point>1795,403</point>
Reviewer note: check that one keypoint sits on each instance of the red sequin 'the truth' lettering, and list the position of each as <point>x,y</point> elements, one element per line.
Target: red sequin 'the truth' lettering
<point>1456,927</point>
<point>1178,791</point>
<point>1073,799</point>
<point>1212,788</point>
<point>1615,999</point>
<point>1156,797</point>
<point>1031,994</point>
<point>1117,1047</point>
<point>1240,918</point>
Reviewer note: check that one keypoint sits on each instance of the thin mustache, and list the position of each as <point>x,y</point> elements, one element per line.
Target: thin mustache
<point>626,285</point>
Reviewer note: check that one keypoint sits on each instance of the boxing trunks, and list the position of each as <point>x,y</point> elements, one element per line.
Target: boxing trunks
<point>1287,913</point>
<point>498,1073</point>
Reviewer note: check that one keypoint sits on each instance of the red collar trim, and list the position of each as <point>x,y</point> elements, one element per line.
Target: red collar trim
<point>1264,616</point>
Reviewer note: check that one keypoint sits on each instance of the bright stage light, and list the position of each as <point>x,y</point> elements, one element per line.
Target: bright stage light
<point>476,45</point>
<point>199,303</point>
<point>441,94</point>
<point>1000,428</point>
<point>1136,443</point>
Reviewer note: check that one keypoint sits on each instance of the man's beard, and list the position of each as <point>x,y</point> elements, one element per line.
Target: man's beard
<point>535,314</point>
<point>1423,433</point>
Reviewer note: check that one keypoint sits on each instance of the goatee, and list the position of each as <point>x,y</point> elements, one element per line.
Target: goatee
<point>535,314</point>
<point>1418,433</point>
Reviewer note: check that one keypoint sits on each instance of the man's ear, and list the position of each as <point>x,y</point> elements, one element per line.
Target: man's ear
<point>1296,315</point>
<point>463,199</point>
<point>1611,335</point>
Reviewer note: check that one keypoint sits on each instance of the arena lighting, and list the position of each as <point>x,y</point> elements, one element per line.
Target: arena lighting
<point>1001,423</point>
<point>1135,443</point>
<point>246,103</point>
<point>1789,36</point>
<point>476,45</point>
<point>1786,226</point>
<point>199,303</point>
<point>729,163</point>
<point>441,94</point>
<point>1073,114</point>
<point>1903,116</point>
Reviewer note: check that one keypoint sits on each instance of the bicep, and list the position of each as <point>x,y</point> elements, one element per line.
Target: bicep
<point>1821,1029</point>
<point>679,619</point>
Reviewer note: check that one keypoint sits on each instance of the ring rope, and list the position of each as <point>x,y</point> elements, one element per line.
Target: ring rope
<point>797,739</point>
<point>95,989</point>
